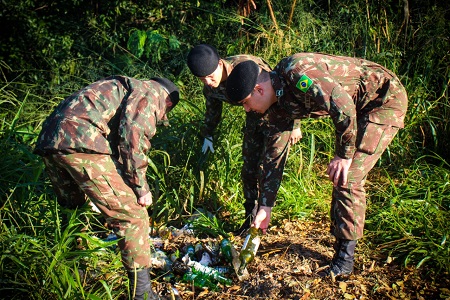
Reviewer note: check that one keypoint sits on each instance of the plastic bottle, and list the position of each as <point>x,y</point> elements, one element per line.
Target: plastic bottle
<point>209,273</point>
<point>206,259</point>
<point>225,247</point>
<point>222,269</point>
<point>249,248</point>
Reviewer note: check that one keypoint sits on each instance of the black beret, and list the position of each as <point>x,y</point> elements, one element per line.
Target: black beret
<point>170,87</point>
<point>242,80</point>
<point>202,60</point>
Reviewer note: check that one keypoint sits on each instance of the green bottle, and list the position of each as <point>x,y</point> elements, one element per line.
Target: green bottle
<point>225,247</point>
<point>210,273</point>
<point>249,248</point>
<point>199,281</point>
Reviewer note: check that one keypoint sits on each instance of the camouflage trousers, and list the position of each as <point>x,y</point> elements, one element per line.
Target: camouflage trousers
<point>265,149</point>
<point>348,204</point>
<point>75,176</point>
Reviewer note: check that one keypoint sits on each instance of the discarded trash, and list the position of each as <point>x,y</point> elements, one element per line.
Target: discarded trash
<point>223,269</point>
<point>225,247</point>
<point>206,259</point>
<point>208,272</point>
<point>185,230</point>
<point>249,248</point>
<point>236,264</point>
<point>160,260</point>
<point>111,237</point>
<point>170,232</point>
<point>190,251</point>
<point>206,264</point>
<point>199,281</point>
<point>156,242</point>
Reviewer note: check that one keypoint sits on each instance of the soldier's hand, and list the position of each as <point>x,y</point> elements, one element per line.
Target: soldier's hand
<point>296,135</point>
<point>262,218</point>
<point>146,200</point>
<point>338,170</point>
<point>208,144</point>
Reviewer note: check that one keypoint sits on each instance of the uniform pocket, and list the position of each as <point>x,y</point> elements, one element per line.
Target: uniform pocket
<point>369,140</point>
<point>101,188</point>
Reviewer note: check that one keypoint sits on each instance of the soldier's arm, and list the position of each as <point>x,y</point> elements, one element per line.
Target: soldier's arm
<point>296,134</point>
<point>273,163</point>
<point>137,125</point>
<point>213,113</point>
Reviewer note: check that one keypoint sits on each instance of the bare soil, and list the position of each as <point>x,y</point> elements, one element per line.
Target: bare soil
<point>287,266</point>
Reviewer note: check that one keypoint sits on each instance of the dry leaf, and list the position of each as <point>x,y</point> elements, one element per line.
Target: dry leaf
<point>203,293</point>
<point>305,296</point>
<point>234,288</point>
<point>343,286</point>
<point>371,267</point>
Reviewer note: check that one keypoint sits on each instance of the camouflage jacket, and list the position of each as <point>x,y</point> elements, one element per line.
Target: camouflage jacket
<point>345,88</point>
<point>117,116</point>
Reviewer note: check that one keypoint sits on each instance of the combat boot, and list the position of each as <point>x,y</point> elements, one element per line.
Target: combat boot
<point>250,213</point>
<point>343,259</point>
<point>140,285</point>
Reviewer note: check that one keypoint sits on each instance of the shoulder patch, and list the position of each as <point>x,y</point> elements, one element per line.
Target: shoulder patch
<point>304,83</point>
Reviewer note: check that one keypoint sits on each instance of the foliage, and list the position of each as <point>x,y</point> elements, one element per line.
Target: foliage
<point>407,220</point>
<point>50,49</point>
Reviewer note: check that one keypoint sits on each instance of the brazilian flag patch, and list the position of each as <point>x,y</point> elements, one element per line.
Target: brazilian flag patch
<point>304,83</point>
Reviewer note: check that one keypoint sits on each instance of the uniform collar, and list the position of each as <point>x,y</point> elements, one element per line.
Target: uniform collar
<point>227,66</point>
<point>278,87</point>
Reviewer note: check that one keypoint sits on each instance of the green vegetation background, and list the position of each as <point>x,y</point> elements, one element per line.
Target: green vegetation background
<point>49,49</point>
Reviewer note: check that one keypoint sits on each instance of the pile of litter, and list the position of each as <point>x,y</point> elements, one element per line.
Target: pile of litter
<point>179,256</point>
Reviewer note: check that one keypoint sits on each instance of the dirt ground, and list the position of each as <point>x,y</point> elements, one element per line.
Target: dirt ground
<point>287,266</point>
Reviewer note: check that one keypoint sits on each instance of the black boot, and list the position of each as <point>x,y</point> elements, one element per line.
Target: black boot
<point>250,213</point>
<point>140,285</point>
<point>343,259</point>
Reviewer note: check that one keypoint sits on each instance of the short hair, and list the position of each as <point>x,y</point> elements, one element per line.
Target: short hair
<point>263,76</point>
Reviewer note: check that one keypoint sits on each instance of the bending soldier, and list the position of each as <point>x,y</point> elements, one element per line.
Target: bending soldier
<point>367,104</point>
<point>94,144</point>
<point>262,144</point>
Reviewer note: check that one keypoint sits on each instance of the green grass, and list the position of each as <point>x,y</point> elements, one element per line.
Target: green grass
<point>408,190</point>
<point>409,213</point>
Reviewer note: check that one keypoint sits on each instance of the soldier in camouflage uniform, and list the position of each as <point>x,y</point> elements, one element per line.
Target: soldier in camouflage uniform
<point>265,141</point>
<point>367,104</point>
<point>94,144</point>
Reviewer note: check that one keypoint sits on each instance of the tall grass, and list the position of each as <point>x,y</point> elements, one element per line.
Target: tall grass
<point>408,190</point>
<point>409,214</point>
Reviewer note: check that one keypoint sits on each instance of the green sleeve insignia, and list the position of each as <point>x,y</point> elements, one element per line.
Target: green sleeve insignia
<point>304,83</point>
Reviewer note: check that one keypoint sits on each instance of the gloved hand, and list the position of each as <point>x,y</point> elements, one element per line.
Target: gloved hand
<point>208,144</point>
